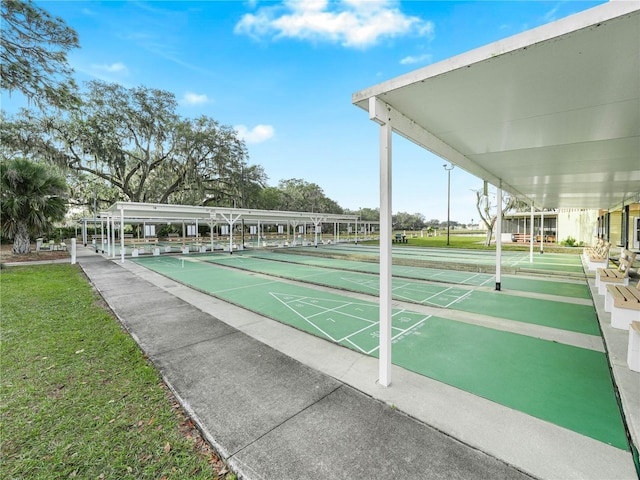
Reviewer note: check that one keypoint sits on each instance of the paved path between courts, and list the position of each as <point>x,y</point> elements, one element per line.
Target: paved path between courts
<point>271,416</point>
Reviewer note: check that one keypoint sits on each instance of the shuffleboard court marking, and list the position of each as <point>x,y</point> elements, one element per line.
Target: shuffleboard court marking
<point>244,287</point>
<point>314,303</point>
<point>295,303</point>
<point>397,289</point>
<point>371,284</point>
<point>277,297</point>
<point>401,332</point>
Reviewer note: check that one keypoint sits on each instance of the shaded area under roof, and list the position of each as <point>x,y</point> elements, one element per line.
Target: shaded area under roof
<point>553,114</point>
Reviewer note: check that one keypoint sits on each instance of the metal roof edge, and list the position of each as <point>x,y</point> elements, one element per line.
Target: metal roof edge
<point>585,19</point>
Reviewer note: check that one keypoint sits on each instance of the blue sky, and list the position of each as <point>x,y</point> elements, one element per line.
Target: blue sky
<point>282,73</point>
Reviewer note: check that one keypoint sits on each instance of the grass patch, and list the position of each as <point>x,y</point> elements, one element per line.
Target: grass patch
<point>78,398</point>
<point>476,242</point>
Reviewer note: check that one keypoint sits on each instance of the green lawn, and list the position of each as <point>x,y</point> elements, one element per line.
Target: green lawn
<point>78,398</point>
<point>476,242</point>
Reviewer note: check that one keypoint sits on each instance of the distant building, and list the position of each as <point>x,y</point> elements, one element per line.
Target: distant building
<point>621,227</point>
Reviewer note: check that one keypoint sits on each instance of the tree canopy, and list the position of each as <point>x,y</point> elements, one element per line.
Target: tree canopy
<point>33,54</point>
<point>298,195</point>
<point>135,144</point>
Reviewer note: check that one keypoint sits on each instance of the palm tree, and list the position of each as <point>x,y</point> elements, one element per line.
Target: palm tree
<point>31,199</point>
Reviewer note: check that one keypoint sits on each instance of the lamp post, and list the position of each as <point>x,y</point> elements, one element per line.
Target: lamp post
<point>448,169</point>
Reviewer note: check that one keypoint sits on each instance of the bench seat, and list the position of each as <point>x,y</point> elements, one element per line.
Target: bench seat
<point>624,305</point>
<point>618,276</point>
<point>597,257</point>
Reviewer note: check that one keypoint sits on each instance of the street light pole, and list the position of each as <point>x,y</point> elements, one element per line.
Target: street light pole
<point>448,169</point>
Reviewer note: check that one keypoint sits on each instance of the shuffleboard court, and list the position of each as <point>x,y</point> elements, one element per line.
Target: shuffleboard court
<point>544,379</point>
<point>573,288</point>
<point>550,262</point>
<point>555,314</point>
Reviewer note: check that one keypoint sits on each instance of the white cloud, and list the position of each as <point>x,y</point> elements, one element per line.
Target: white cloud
<point>258,134</point>
<point>352,23</point>
<point>191,98</point>
<point>117,67</point>
<point>419,59</point>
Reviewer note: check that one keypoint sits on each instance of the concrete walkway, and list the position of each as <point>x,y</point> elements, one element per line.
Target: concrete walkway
<point>280,404</point>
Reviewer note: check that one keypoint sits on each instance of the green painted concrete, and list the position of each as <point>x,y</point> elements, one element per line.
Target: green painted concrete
<point>555,262</point>
<point>565,316</point>
<point>565,385</point>
<point>509,282</point>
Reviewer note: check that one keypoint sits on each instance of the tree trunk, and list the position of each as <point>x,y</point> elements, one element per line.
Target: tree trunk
<point>489,234</point>
<point>21,242</point>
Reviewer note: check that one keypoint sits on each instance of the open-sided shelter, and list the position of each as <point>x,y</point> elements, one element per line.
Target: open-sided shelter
<point>551,115</point>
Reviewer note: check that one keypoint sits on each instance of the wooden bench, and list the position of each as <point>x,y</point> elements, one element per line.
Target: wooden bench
<point>599,257</point>
<point>526,238</point>
<point>547,238</point>
<point>586,251</point>
<point>520,237</point>
<point>619,276</point>
<point>624,305</point>
<point>138,245</point>
<point>143,241</point>
<point>173,239</point>
<point>633,350</point>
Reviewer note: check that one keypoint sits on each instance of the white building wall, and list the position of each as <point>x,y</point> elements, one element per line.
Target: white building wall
<point>577,223</point>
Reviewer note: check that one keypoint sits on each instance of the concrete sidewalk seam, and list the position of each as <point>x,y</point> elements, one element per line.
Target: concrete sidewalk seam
<point>299,412</point>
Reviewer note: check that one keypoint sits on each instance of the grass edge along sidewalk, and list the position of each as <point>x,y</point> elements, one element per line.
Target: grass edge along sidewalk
<point>79,399</point>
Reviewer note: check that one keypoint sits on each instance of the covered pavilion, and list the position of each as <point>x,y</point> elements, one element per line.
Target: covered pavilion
<point>124,213</point>
<point>551,116</point>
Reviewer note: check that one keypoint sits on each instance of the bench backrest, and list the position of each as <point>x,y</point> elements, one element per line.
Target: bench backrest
<point>603,249</point>
<point>626,260</point>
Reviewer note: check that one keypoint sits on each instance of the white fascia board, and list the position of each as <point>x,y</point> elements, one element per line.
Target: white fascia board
<point>585,19</point>
<point>162,211</point>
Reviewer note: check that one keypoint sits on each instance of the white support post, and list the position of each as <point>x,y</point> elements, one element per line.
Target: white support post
<point>541,232</point>
<point>531,239</point>
<point>211,233</point>
<point>113,235</point>
<point>73,251</point>
<point>356,239</point>
<point>499,237</point>
<point>384,378</point>
<point>294,224</point>
<point>317,221</point>
<point>101,236</point>
<point>121,234</point>
<point>108,235</point>
<point>231,220</point>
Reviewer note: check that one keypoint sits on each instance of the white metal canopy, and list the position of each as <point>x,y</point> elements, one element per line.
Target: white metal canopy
<point>133,212</point>
<point>164,212</point>
<point>553,113</point>
<point>551,116</point>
